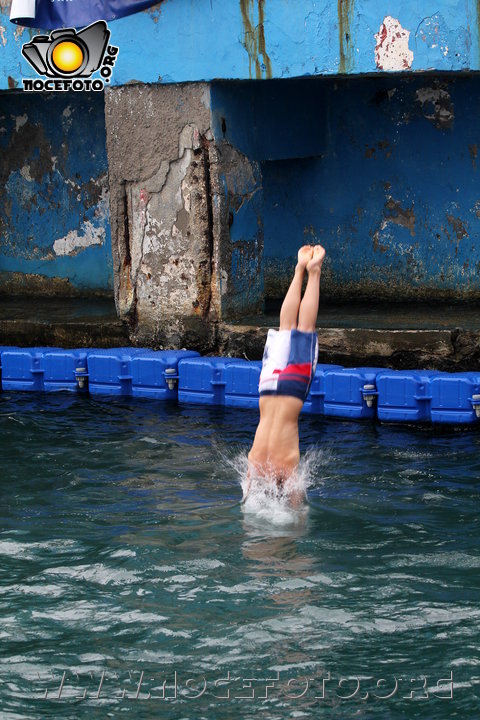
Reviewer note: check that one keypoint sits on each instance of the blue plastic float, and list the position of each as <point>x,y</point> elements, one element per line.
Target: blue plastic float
<point>219,381</point>
<point>412,396</point>
<point>137,372</point>
<point>455,398</point>
<point>315,402</point>
<point>404,395</point>
<point>351,392</point>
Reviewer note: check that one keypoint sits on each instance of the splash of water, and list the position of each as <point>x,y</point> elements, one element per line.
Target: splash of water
<point>262,496</point>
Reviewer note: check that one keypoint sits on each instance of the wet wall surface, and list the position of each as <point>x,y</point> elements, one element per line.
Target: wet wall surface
<point>54,216</point>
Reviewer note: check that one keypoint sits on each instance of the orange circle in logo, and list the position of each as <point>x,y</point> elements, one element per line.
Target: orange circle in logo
<point>67,56</point>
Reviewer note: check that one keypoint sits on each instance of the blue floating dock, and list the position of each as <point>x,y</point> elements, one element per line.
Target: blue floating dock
<point>315,402</point>
<point>408,396</point>
<point>4,349</point>
<point>455,397</point>
<point>155,373</point>
<point>137,372</point>
<point>64,370</point>
<point>404,396</point>
<point>241,383</point>
<point>109,371</point>
<point>201,380</point>
<point>351,393</point>
<point>22,369</point>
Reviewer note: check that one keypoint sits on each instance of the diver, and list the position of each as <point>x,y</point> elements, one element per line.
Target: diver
<point>289,362</point>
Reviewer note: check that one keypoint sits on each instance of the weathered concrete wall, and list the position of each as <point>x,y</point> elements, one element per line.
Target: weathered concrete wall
<point>383,171</point>
<point>54,221</point>
<point>162,244</point>
<point>192,40</point>
<point>185,216</point>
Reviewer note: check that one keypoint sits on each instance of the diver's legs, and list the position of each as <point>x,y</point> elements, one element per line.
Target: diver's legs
<point>291,302</point>
<point>307,314</point>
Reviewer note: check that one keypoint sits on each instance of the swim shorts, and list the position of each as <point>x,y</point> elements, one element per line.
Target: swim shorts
<point>289,362</point>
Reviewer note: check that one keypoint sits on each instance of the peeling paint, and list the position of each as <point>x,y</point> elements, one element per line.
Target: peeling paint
<point>19,30</point>
<point>434,33</point>
<point>164,206</point>
<point>383,146</point>
<point>20,121</point>
<point>25,173</point>
<point>77,240</point>
<point>3,37</point>
<point>161,225</point>
<point>395,213</point>
<point>54,199</point>
<point>88,234</point>
<point>392,51</point>
<point>437,106</point>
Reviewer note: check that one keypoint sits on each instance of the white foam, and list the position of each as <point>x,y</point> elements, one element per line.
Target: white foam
<point>267,502</point>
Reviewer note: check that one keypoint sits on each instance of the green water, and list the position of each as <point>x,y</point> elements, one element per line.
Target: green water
<point>124,550</point>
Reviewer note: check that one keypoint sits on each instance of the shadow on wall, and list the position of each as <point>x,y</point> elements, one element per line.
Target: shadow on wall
<point>382,171</point>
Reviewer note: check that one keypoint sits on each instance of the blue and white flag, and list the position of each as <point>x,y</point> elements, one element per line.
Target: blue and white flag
<point>51,14</point>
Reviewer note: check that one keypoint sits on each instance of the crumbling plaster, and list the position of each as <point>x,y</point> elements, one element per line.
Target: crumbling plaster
<point>175,194</point>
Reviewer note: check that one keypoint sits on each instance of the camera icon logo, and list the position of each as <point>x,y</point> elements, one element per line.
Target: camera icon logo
<point>66,53</point>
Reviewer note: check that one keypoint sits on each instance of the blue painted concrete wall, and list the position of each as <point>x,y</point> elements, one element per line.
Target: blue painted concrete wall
<point>54,217</point>
<point>186,40</point>
<point>383,171</point>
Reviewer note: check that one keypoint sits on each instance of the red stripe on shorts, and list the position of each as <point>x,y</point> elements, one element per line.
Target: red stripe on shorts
<point>304,369</point>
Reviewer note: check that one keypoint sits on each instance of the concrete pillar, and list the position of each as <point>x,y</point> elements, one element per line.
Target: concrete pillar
<point>187,237</point>
<point>157,144</point>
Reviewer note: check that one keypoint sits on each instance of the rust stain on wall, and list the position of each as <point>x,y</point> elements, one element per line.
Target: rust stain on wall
<point>473,150</point>
<point>155,11</point>
<point>458,227</point>
<point>395,213</point>
<point>345,13</point>
<point>382,145</point>
<point>254,39</point>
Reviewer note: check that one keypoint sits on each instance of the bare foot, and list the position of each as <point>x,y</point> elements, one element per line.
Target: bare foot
<point>317,258</point>
<point>305,254</point>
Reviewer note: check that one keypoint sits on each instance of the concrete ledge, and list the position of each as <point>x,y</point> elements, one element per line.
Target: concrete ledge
<point>448,350</point>
<point>61,322</point>
<point>93,323</point>
<point>27,333</point>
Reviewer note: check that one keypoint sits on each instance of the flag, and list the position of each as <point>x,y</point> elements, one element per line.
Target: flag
<point>51,14</point>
